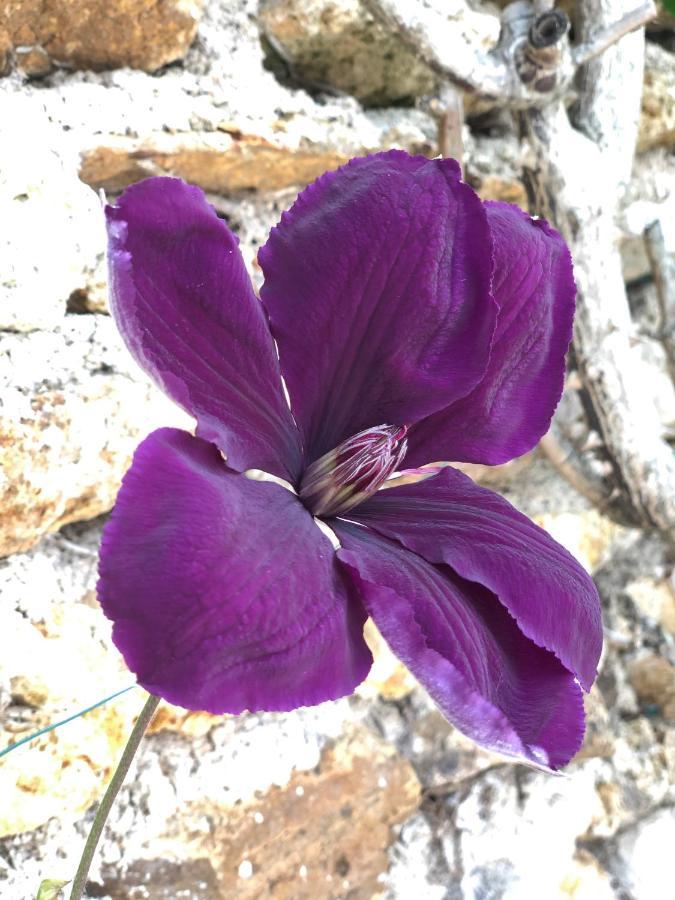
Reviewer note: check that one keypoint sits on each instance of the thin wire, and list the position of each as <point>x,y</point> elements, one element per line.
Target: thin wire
<point>48,728</point>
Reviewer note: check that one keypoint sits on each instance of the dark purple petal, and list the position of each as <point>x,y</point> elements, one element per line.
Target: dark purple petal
<point>185,306</point>
<point>494,684</point>
<point>223,592</point>
<point>449,519</point>
<point>377,282</point>
<point>511,408</point>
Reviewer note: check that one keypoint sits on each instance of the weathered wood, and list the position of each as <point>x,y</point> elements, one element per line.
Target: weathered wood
<point>576,181</point>
<point>575,173</point>
<point>449,112</point>
<point>455,42</point>
<point>598,42</point>
<point>663,270</point>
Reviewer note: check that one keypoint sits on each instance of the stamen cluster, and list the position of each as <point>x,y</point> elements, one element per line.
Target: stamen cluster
<point>354,470</point>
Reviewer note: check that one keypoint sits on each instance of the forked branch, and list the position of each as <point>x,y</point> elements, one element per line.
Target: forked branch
<point>464,47</point>
<point>637,18</point>
<point>575,176</point>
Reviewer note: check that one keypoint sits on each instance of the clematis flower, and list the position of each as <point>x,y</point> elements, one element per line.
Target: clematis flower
<point>412,323</point>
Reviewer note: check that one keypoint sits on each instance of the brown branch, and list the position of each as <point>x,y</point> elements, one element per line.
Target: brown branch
<point>449,112</point>
<point>564,458</point>
<point>588,50</point>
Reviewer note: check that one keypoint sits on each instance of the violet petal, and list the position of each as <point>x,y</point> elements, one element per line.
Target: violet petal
<point>449,519</point>
<point>223,592</point>
<point>377,282</point>
<point>506,414</point>
<point>185,306</point>
<point>495,685</point>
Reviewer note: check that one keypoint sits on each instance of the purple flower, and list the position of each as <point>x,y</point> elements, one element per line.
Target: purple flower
<point>411,320</point>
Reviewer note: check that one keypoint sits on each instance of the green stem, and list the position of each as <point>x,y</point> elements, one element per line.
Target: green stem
<point>112,790</point>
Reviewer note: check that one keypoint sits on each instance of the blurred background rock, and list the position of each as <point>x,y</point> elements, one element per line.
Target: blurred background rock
<point>376,795</point>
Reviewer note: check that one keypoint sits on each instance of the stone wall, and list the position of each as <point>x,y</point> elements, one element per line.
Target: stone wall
<point>375,795</point>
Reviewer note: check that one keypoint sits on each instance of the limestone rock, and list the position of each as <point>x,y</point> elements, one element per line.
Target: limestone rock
<point>336,44</point>
<point>285,805</point>
<point>221,121</point>
<point>657,116</point>
<point>505,825</point>
<point>443,757</point>
<point>568,517</point>
<point>388,677</point>
<point>598,738</point>
<point>334,823</point>
<point>97,34</point>
<point>496,477</point>
<point>589,535</point>
<point>52,234</point>
<point>74,408</point>
<point>653,678</point>
<point>655,599</point>
<point>230,159</point>
<point>492,168</point>
<point>221,163</point>
<point>585,879</point>
<point>413,865</point>
<point>50,635</point>
<point>643,860</point>
<point>51,632</point>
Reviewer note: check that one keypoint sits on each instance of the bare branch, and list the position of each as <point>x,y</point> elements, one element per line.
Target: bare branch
<point>453,40</point>
<point>573,185</point>
<point>663,270</point>
<point>577,181</point>
<point>574,177</point>
<point>564,458</point>
<point>449,112</point>
<point>585,52</point>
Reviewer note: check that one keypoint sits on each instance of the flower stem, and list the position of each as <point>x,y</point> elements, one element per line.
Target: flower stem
<point>112,790</point>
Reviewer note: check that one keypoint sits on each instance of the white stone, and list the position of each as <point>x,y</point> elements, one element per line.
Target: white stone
<point>646,854</point>
<point>245,869</point>
<point>74,407</point>
<point>52,235</point>
<point>524,837</point>
<point>410,863</point>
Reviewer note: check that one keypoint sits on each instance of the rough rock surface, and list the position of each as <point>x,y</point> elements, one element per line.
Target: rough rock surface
<point>336,44</point>
<point>373,796</point>
<point>222,122</point>
<point>74,407</point>
<point>95,34</point>
<point>51,232</point>
<point>657,119</point>
<point>303,804</point>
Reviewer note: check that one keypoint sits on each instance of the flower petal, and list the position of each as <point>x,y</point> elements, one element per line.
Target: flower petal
<point>449,519</point>
<point>224,594</point>
<point>377,282</point>
<point>511,408</point>
<point>494,684</point>
<point>185,306</point>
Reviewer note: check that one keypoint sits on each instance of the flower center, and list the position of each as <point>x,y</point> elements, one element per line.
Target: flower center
<point>353,471</point>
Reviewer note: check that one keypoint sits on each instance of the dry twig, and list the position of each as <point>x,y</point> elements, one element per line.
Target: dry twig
<point>636,18</point>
